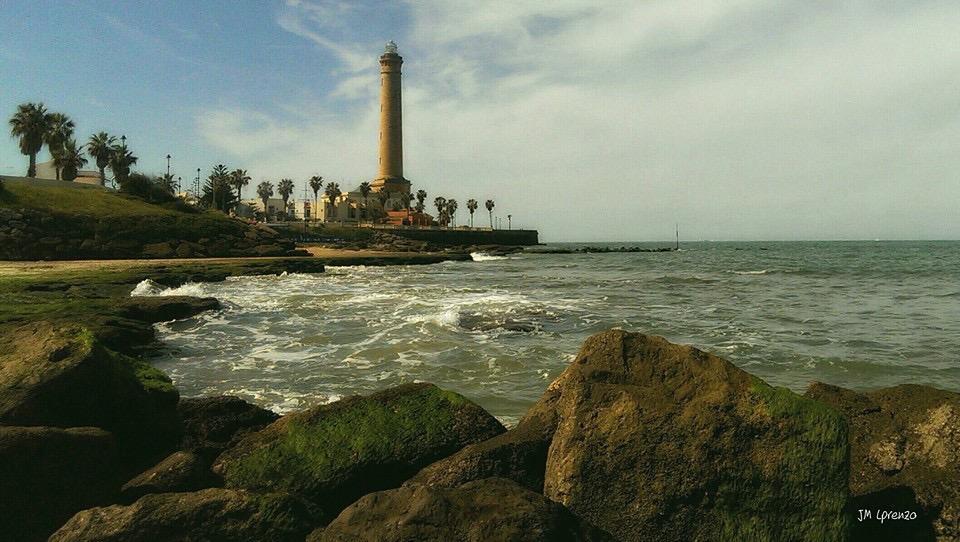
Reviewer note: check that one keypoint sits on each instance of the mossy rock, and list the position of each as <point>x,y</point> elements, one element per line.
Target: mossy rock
<point>487,510</point>
<point>62,376</point>
<point>657,441</point>
<point>209,514</point>
<point>333,454</point>
<point>47,474</point>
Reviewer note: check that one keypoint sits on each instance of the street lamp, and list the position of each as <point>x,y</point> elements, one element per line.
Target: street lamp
<point>123,140</point>
<point>168,165</point>
<point>509,222</point>
<point>196,190</point>
<point>179,186</point>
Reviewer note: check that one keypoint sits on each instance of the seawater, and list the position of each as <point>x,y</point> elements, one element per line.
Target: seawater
<point>499,329</point>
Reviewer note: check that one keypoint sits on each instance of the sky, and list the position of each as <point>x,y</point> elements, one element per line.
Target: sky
<point>736,119</point>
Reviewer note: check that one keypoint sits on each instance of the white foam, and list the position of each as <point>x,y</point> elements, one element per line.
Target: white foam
<point>146,288</point>
<point>760,272</point>
<point>484,257</point>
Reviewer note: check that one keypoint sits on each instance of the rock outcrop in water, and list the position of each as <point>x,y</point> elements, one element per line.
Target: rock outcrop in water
<point>904,456</point>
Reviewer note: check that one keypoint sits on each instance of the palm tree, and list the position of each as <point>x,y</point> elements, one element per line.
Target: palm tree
<point>489,205</point>
<point>167,183</point>
<point>30,123</point>
<point>472,206</point>
<point>383,196</point>
<point>452,210</point>
<point>59,130</point>
<point>365,192</point>
<point>316,183</point>
<point>405,199</point>
<point>100,147</point>
<point>440,203</point>
<point>333,192</point>
<point>120,161</point>
<point>239,179</point>
<point>285,188</point>
<point>421,197</point>
<point>265,191</point>
<point>71,159</point>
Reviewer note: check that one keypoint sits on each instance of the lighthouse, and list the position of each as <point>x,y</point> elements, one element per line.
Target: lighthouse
<point>390,168</point>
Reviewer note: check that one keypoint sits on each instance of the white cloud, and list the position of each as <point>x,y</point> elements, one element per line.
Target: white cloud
<point>748,118</point>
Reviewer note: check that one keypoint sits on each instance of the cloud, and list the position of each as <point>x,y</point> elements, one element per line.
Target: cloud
<point>738,119</point>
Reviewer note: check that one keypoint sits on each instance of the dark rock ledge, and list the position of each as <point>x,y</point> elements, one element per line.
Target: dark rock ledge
<point>638,439</point>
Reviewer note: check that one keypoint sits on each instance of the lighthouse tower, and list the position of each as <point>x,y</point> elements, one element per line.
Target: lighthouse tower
<point>390,169</point>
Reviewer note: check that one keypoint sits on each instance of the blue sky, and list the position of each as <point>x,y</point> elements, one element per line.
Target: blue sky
<point>739,119</point>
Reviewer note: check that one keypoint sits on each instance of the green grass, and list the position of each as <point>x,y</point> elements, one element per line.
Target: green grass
<point>73,199</point>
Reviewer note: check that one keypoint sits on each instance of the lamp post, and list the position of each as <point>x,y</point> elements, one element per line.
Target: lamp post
<point>168,165</point>
<point>509,222</point>
<point>196,190</point>
<point>179,181</point>
<point>123,141</point>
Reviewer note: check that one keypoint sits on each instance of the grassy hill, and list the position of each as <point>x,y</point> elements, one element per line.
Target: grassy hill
<point>44,219</point>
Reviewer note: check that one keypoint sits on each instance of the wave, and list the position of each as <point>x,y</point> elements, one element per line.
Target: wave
<point>760,272</point>
<point>484,257</point>
<point>673,279</point>
<point>149,288</point>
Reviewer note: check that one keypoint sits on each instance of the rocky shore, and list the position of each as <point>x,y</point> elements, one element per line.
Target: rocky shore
<point>638,439</point>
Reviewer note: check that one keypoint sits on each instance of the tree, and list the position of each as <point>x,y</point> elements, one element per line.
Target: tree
<point>30,124</point>
<point>333,192</point>
<point>217,191</point>
<point>365,192</point>
<point>440,203</point>
<point>71,160</point>
<point>285,188</point>
<point>489,205</point>
<point>121,158</point>
<point>452,210</point>
<point>100,147</point>
<point>472,206</point>
<point>167,183</point>
<point>59,130</point>
<point>421,197</point>
<point>405,199</point>
<point>383,197</point>
<point>316,183</point>
<point>239,179</point>
<point>265,192</point>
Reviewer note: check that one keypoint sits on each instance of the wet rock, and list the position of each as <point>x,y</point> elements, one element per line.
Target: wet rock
<point>520,455</point>
<point>493,509</point>
<point>158,250</point>
<point>165,308</point>
<point>332,454</point>
<point>177,473</point>
<point>209,514</point>
<point>657,441</point>
<point>47,474</point>
<point>213,424</point>
<point>904,455</point>
<point>62,376</point>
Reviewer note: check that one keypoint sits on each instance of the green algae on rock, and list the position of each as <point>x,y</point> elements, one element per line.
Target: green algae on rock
<point>657,441</point>
<point>333,454</point>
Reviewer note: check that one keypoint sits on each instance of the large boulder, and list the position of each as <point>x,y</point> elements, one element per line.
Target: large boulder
<point>333,454</point>
<point>179,472</point>
<point>210,514</point>
<point>904,456</point>
<point>488,510</point>
<point>47,474</point>
<point>213,424</point>
<point>62,376</point>
<point>658,441</point>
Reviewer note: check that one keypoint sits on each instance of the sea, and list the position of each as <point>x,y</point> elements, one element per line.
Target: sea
<point>499,329</point>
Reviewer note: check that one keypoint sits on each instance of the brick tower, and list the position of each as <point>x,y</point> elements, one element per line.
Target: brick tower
<point>390,170</point>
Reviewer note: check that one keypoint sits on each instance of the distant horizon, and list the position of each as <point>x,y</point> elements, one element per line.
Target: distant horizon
<point>770,119</point>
